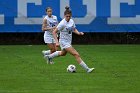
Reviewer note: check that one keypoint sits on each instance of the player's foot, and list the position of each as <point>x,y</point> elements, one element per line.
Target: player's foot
<point>90,70</point>
<point>49,60</point>
<point>43,52</point>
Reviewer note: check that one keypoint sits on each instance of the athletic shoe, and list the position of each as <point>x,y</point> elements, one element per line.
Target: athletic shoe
<point>43,52</point>
<point>49,60</point>
<point>90,70</point>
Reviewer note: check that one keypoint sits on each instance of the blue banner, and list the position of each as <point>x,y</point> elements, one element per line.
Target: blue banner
<point>89,15</point>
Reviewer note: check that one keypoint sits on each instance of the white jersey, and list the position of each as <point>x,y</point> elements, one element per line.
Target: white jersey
<point>51,21</point>
<point>66,29</point>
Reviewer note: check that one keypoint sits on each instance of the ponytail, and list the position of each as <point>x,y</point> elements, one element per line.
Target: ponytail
<point>67,11</point>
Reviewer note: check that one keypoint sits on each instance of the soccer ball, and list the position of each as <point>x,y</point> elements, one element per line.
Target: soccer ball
<point>71,68</point>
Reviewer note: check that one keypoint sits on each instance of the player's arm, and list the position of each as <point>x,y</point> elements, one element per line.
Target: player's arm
<point>77,32</point>
<point>55,36</point>
<point>44,26</point>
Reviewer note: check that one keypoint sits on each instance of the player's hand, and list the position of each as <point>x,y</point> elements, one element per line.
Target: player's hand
<point>53,28</point>
<point>81,33</point>
<point>57,44</point>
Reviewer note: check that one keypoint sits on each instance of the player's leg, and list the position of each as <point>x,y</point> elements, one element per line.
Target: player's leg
<point>52,48</point>
<point>56,54</point>
<point>51,45</point>
<point>73,52</point>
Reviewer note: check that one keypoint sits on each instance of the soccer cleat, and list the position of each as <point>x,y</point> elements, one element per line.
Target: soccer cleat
<point>90,70</point>
<point>49,60</point>
<point>43,52</point>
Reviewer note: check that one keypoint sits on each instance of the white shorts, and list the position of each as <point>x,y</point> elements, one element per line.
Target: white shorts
<point>49,40</point>
<point>64,45</point>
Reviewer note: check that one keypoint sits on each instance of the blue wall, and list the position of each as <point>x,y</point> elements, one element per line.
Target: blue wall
<point>104,15</point>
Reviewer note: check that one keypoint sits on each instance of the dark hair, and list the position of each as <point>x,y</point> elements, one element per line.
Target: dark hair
<point>48,8</point>
<point>67,11</point>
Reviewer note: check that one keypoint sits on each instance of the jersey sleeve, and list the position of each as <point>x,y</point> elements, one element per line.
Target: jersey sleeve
<point>56,19</point>
<point>60,26</point>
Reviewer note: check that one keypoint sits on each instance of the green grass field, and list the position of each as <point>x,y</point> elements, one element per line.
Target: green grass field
<point>23,70</point>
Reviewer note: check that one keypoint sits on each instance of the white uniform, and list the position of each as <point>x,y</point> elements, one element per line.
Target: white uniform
<point>66,29</point>
<point>51,21</point>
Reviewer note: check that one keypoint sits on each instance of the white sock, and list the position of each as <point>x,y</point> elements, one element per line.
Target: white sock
<point>47,52</point>
<point>55,54</point>
<point>84,65</point>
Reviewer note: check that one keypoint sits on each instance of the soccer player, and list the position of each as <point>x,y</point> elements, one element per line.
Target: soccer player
<point>66,27</point>
<point>49,24</point>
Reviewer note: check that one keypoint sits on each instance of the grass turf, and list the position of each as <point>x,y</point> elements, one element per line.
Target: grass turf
<point>23,70</point>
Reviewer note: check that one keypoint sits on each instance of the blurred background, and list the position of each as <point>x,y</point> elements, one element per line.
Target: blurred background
<point>103,21</point>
